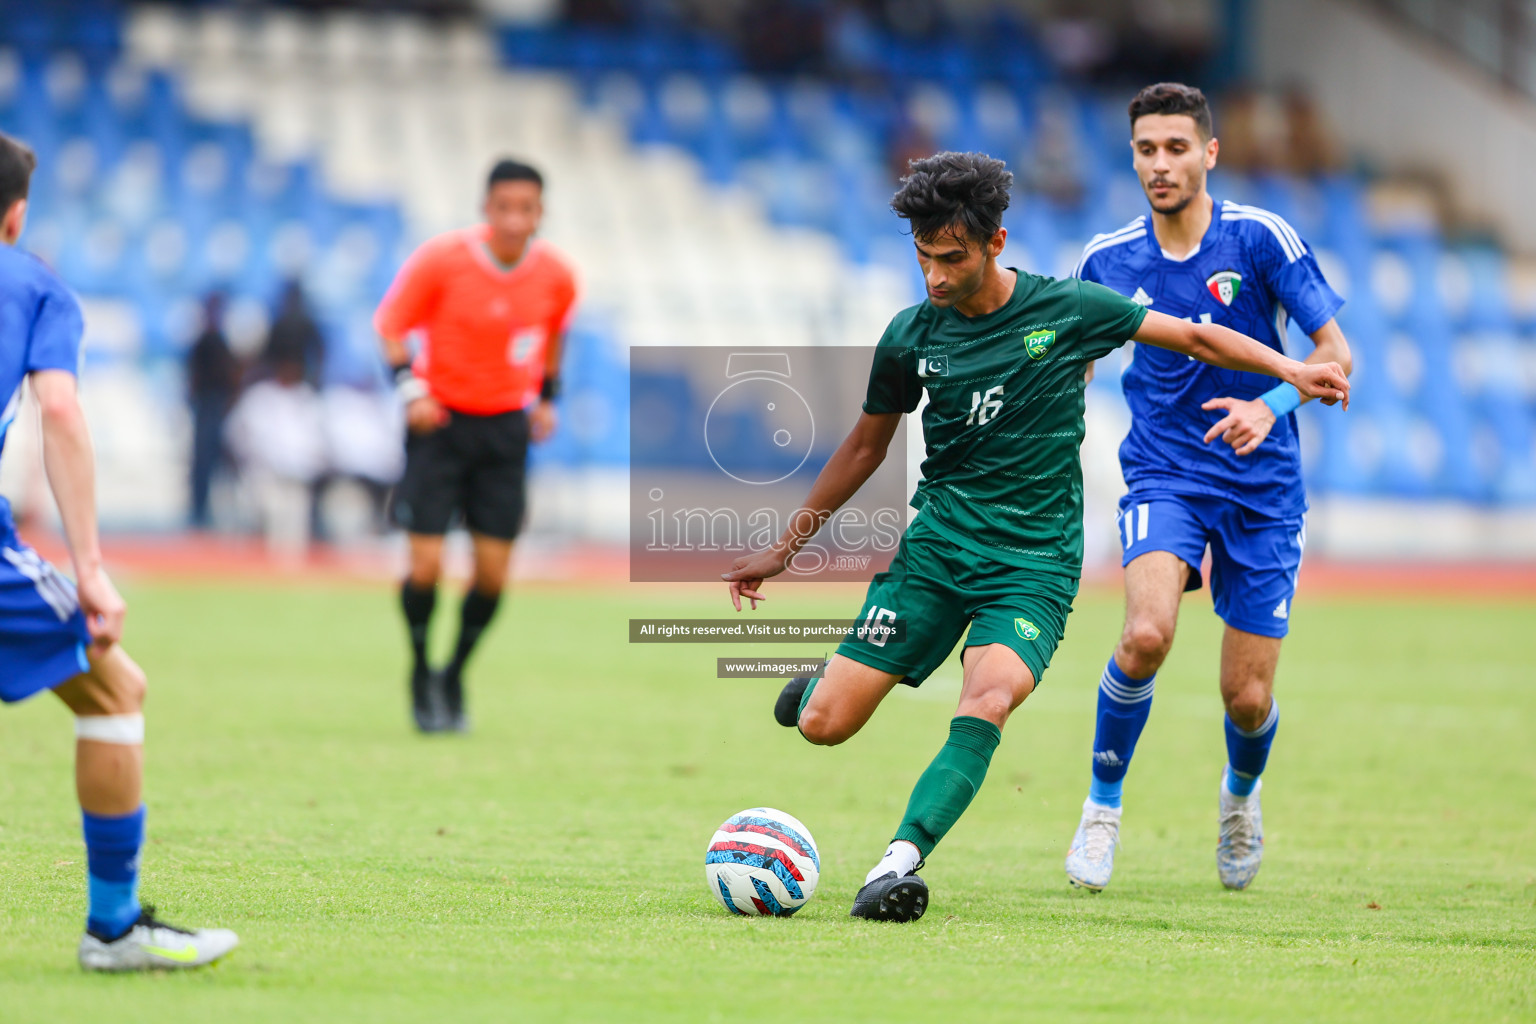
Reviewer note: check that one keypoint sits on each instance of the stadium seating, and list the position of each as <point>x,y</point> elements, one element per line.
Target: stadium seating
<point>1446,366</point>
<point>705,204</point>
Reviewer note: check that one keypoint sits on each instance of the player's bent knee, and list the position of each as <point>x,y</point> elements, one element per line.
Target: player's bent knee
<point>113,685</point>
<point>1249,706</point>
<point>992,705</point>
<point>1147,640</point>
<point>823,728</point>
<point>124,685</point>
<point>134,687</point>
<point>424,573</point>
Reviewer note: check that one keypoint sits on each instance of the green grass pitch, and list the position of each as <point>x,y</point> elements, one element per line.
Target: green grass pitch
<point>550,865</point>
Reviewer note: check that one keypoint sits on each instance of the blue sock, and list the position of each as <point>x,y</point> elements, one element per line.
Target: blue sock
<point>1124,704</point>
<point>1247,751</point>
<point>112,856</point>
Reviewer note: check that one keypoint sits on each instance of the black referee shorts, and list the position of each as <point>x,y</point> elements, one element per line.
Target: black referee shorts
<point>473,465</point>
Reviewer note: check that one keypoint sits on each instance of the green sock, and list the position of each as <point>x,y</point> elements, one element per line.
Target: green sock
<point>946,788</point>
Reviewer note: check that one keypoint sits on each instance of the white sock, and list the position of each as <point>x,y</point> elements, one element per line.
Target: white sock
<point>900,857</point>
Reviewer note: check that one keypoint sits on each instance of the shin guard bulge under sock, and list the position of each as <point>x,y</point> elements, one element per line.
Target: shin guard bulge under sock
<point>950,782</point>
<point>1248,752</point>
<point>1124,704</point>
<point>418,603</point>
<point>474,616</point>
<point>112,844</point>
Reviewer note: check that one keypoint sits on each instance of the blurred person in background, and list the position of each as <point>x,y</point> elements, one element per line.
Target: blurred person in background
<point>277,434</point>
<point>362,439</point>
<point>213,381</point>
<point>65,635</point>
<point>295,337</point>
<point>491,303</point>
<point>1054,168</point>
<point>1310,148</point>
<point>909,142</point>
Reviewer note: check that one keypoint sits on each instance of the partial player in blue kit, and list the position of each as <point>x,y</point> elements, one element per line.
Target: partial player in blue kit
<point>63,636</point>
<point>1211,460</point>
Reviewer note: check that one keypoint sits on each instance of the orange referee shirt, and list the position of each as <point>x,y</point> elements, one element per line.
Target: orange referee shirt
<point>486,328</point>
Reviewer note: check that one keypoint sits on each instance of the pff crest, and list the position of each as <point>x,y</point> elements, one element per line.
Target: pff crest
<point>1224,286</point>
<point>1038,343</point>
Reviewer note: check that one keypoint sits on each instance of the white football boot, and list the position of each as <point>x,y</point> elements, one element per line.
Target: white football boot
<point>152,945</point>
<point>1091,860</point>
<point>1240,848</point>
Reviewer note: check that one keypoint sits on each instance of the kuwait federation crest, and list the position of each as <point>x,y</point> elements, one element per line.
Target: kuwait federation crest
<point>1224,285</point>
<point>1038,343</point>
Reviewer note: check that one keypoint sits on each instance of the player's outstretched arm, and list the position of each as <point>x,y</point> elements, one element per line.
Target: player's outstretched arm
<point>854,462</point>
<point>1221,346</point>
<point>70,463</point>
<point>1247,423</point>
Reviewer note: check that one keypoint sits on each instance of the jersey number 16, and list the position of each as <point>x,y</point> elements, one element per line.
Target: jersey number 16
<point>984,407</point>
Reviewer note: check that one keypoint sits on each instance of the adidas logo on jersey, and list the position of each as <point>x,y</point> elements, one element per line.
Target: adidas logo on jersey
<point>1141,298</point>
<point>1107,758</point>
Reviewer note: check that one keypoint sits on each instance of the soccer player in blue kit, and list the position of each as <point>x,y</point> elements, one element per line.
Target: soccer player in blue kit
<point>62,636</point>
<point>1211,459</point>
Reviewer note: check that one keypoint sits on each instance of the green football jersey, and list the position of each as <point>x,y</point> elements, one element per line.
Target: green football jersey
<point>1004,419</point>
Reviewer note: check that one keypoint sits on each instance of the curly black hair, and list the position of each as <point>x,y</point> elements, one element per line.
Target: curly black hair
<point>967,192</point>
<point>16,165</point>
<point>1173,98</point>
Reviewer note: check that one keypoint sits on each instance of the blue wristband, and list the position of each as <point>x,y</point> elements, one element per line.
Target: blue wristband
<point>1281,399</point>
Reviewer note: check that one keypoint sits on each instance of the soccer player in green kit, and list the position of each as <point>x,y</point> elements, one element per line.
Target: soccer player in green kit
<point>997,543</point>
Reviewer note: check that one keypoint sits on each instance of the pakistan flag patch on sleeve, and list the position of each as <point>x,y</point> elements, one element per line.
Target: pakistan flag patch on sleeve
<point>1038,343</point>
<point>1026,629</point>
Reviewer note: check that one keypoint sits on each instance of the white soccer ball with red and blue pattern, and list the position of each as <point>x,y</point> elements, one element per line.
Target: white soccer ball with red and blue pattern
<point>762,863</point>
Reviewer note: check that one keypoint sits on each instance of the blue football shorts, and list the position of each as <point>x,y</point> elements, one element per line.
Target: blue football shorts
<point>42,633</point>
<point>1254,557</point>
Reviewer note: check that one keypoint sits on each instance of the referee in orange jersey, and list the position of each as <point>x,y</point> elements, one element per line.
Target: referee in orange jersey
<point>490,303</point>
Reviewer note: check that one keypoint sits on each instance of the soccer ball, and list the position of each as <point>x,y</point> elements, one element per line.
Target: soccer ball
<point>762,862</point>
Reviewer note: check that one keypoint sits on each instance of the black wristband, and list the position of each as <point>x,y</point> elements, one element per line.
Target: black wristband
<point>408,386</point>
<point>550,389</point>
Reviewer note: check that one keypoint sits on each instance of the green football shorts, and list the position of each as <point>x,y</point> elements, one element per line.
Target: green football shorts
<point>935,589</point>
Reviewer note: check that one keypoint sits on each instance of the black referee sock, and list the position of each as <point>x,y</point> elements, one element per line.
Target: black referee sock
<point>474,615</point>
<point>418,603</point>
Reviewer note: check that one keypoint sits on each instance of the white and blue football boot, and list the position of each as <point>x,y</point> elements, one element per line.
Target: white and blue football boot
<point>1091,860</point>
<point>1240,848</point>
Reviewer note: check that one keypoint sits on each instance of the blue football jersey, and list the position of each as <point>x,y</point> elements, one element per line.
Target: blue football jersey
<point>40,329</point>
<point>1251,272</point>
